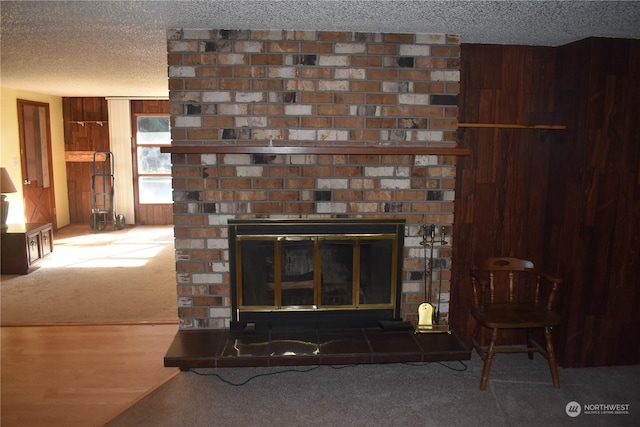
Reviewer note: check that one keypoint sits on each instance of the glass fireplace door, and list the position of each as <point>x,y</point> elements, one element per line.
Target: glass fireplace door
<point>327,272</point>
<point>257,278</point>
<point>298,265</point>
<point>338,274</point>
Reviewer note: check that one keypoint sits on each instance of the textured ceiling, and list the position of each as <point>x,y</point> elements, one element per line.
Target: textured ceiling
<point>118,48</point>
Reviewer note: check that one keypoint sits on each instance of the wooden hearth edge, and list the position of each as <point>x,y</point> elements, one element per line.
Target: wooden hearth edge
<point>254,149</point>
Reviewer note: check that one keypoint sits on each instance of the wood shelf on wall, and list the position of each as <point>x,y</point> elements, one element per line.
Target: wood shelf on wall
<point>86,122</point>
<point>84,156</point>
<point>253,149</point>
<point>510,126</point>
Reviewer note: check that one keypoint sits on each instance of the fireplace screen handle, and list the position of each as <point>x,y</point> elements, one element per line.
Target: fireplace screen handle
<point>296,238</point>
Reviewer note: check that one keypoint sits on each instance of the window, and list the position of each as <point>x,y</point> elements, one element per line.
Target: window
<point>154,167</point>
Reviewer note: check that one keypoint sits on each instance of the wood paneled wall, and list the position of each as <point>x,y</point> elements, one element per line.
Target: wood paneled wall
<point>595,224</point>
<point>568,200</point>
<point>86,130</point>
<point>150,106</point>
<point>501,188</point>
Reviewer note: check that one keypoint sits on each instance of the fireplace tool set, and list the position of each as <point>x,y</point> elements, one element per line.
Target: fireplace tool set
<point>428,313</point>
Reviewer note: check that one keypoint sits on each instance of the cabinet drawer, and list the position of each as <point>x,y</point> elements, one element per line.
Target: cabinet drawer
<point>33,247</point>
<point>47,242</point>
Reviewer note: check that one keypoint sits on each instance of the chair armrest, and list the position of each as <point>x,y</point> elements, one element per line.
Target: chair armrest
<point>546,276</point>
<point>553,280</point>
<point>475,274</point>
<point>478,294</point>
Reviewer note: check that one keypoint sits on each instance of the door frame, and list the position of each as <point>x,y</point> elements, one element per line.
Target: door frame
<point>26,189</point>
<point>145,212</point>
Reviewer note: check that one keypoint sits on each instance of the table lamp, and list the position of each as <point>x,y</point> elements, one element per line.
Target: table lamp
<point>6,186</point>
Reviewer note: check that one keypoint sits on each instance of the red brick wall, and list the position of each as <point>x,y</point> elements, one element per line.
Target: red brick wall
<point>307,88</point>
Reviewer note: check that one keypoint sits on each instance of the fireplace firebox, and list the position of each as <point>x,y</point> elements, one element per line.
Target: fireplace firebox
<point>315,273</point>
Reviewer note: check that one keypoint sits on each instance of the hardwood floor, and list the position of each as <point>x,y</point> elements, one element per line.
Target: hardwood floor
<point>81,375</point>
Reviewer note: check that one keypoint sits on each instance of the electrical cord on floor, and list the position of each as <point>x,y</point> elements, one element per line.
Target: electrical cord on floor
<point>342,366</point>
<point>313,368</point>
<point>464,366</point>
<point>213,374</point>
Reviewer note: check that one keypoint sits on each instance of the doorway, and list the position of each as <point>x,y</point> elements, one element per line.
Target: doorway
<point>37,164</point>
<point>152,169</point>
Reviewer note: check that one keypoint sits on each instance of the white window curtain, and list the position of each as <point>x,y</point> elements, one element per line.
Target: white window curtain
<point>120,146</point>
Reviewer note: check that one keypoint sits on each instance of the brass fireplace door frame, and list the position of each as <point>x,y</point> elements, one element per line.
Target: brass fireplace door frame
<point>317,239</point>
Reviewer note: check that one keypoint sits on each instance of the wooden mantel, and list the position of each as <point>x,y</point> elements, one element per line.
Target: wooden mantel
<point>253,149</point>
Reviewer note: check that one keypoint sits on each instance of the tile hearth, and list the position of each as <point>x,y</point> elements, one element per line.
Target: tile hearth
<point>218,348</point>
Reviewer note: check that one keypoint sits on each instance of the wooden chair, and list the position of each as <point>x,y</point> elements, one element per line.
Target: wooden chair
<point>510,293</point>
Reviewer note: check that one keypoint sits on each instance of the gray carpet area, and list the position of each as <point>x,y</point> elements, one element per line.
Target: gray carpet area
<point>519,393</point>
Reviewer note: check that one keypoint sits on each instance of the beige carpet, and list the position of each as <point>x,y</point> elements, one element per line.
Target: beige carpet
<point>118,276</point>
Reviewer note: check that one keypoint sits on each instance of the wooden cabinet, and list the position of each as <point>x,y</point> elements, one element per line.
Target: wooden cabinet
<point>23,245</point>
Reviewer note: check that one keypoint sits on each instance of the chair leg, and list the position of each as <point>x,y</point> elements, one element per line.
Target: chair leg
<point>475,343</point>
<point>551,356</point>
<point>530,343</point>
<point>489,358</point>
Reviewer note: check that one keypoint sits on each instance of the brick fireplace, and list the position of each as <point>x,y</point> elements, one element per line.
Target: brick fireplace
<point>308,125</point>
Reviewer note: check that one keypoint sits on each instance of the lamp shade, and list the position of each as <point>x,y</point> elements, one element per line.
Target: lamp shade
<point>6,185</point>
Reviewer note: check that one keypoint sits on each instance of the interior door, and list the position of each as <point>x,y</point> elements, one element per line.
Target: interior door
<point>37,164</point>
